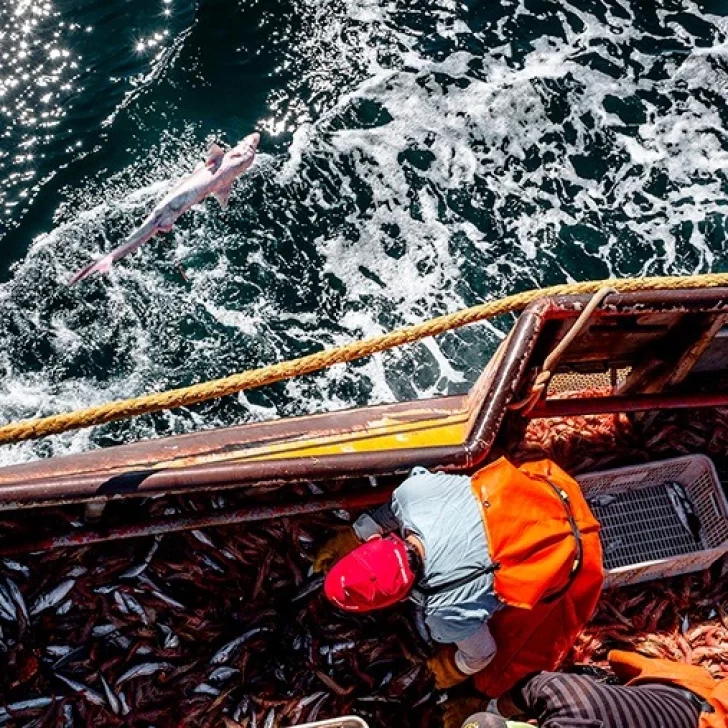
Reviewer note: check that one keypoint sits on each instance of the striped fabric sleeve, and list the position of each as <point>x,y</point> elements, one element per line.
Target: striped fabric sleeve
<point>561,700</point>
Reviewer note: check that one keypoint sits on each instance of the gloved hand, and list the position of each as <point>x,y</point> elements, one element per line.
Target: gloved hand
<point>334,549</point>
<point>443,667</point>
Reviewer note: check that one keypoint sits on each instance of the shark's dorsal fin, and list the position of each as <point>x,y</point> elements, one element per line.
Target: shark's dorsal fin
<point>222,196</point>
<point>214,156</point>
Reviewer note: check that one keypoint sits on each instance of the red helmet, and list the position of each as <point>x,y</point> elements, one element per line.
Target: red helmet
<point>375,575</point>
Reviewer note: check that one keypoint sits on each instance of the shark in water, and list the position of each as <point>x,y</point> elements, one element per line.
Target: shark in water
<point>214,176</point>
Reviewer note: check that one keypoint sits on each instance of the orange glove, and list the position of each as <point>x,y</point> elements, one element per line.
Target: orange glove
<point>444,669</point>
<point>334,549</point>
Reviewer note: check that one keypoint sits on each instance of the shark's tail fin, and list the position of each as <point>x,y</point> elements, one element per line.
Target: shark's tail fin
<point>100,266</point>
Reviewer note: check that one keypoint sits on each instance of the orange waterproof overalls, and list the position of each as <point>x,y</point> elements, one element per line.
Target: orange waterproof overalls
<point>637,669</point>
<point>544,544</point>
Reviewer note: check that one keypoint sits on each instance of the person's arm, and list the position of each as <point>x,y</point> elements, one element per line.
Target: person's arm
<point>475,652</point>
<point>383,520</point>
<point>378,522</point>
<point>455,662</point>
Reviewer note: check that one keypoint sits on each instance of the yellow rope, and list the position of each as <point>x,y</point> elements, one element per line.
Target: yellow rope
<point>55,424</point>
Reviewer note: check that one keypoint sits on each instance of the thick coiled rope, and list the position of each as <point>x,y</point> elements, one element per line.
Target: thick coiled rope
<point>185,396</point>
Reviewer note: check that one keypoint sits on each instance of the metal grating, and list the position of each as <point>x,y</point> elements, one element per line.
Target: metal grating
<point>629,534</point>
<point>577,382</point>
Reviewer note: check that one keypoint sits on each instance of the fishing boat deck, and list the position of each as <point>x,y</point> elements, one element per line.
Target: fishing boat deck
<point>187,628</point>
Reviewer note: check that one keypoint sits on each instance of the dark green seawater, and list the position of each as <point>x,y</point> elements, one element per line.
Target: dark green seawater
<point>417,157</point>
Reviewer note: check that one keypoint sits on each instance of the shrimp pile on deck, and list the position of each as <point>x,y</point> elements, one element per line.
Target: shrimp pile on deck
<point>586,443</point>
<point>189,628</point>
<point>683,619</point>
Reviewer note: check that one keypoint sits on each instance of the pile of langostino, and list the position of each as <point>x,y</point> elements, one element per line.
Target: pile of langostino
<point>225,625</point>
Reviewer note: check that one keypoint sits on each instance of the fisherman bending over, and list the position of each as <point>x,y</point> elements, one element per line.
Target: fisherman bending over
<point>506,565</point>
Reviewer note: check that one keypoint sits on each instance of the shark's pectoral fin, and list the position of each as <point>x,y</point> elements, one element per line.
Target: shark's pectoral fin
<point>214,156</point>
<point>222,195</point>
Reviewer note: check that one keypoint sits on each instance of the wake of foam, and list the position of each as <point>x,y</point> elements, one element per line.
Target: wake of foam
<point>461,158</point>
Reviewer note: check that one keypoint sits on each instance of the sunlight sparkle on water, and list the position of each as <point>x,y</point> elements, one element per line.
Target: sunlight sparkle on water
<point>37,77</point>
<point>273,126</point>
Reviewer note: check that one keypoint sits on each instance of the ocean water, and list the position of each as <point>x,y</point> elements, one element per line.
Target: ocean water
<point>416,157</point>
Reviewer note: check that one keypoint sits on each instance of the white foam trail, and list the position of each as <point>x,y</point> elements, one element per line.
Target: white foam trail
<point>448,166</point>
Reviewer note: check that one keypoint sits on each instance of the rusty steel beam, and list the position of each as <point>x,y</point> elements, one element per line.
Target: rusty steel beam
<point>635,403</point>
<point>492,397</point>
<point>100,486</point>
<point>698,300</point>
<point>156,526</point>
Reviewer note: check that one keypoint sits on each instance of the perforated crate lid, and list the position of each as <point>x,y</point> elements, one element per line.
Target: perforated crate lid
<point>641,521</point>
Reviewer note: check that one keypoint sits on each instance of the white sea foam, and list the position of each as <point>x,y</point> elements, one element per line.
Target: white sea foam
<point>424,181</point>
